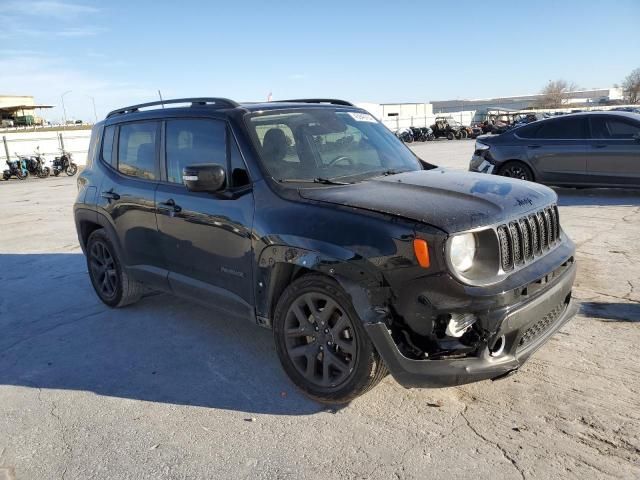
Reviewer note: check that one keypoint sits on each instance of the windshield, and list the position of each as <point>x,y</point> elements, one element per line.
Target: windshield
<point>326,144</point>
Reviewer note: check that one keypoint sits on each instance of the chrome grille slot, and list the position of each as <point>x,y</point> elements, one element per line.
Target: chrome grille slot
<point>524,239</point>
<point>505,248</point>
<point>516,242</point>
<point>527,252</point>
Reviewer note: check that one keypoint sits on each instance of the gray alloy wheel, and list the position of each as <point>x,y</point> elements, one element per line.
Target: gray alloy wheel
<point>516,170</point>
<point>321,342</point>
<point>111,282</point>
<point>103,270</point>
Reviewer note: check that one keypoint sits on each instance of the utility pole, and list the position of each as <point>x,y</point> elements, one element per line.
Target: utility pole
<point>95,114</point>
<point>64,110</point>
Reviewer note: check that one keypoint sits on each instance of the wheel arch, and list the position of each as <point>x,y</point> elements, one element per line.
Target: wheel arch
<point>280,265</point>
<point>88,221</point>
<point>505,163</point>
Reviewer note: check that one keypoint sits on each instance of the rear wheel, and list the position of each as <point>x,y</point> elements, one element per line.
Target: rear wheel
<point>321,342</point>
<point>463,134</point>
<point>516,170</point>
<point>111,282</point>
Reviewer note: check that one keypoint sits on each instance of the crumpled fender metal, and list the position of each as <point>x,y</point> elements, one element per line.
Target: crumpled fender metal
<point>360,280</point>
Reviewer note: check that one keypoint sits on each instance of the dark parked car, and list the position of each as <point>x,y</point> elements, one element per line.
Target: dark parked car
<point>583,149</point>
<point>311,218</point>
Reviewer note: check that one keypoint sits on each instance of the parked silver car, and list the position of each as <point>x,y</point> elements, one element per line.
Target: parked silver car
<point>582,149</point>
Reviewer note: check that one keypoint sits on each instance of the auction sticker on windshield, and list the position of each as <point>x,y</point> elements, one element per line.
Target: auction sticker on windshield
<point>362,117</point>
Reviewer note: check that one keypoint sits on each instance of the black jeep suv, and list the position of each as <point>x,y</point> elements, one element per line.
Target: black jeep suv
<point>311,218</point>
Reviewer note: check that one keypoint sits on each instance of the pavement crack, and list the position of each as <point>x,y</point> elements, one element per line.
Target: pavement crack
<point>505,454</point>
<point>67,446</point>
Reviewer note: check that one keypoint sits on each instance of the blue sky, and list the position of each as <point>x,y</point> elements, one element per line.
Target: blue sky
<point>122,52</point>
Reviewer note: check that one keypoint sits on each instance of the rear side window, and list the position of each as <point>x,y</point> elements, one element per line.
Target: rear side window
<point>609,128</point>
<point>137,156</point>
<point>527,131</point>
<point>107,145</point>
<point>193,141</point>
<point>562,129</point>
<point>96,133</point>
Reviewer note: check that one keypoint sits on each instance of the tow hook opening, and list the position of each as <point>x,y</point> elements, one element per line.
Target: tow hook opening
<point>498,347</point>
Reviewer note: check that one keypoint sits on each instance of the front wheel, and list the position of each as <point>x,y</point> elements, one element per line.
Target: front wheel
<point>72,169</point>
<point>516,170</point>
<point>450,136</point>
<point>321,342</point>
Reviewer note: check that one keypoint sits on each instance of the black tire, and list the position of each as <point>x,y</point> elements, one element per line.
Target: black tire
<point>450,136</point>
<point>516,169</point>
<point>335,343</point>
<point>72,169</point>
<point>43,173</point>
<point>113,285</point>
<point>463,134</point>
<point>56,173</point>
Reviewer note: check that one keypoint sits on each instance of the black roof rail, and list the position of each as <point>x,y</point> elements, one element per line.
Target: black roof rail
<point>332,101</point>
<point>218,102</point>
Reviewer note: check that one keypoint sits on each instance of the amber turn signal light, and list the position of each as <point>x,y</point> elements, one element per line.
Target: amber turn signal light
<point>421,249</point>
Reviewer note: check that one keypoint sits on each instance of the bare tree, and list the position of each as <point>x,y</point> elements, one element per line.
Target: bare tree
<point>555,94</point>
<point>631,87</point>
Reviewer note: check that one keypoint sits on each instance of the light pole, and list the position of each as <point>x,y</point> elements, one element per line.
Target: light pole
<point>64,110</point>
<point>95,114</point>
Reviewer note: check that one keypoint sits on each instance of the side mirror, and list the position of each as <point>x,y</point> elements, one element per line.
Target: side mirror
<point>207,177</point>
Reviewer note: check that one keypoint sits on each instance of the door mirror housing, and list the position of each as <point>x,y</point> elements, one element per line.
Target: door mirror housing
<point>206,177</point>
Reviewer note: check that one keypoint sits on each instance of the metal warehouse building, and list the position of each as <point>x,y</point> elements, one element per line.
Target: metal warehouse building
<point>19,110</point>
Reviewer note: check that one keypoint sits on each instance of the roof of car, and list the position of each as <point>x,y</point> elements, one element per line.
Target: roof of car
<point>221,104</point>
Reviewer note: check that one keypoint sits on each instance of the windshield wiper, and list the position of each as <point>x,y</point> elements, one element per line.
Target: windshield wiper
<point>391,171</point>
<point>324,181</point>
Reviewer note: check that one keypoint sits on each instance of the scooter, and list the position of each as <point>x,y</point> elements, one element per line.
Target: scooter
<point>64,163</point>
<point>17,168</point>
<point>36,165</point>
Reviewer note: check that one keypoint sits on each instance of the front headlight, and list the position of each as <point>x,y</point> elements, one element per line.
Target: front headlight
<point>462,251</point>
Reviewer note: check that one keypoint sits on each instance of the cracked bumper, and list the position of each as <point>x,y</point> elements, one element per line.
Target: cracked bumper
<point>480,164</point>
<point>516,325</point>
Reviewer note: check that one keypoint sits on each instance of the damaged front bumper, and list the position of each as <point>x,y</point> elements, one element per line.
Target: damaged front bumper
<point>523,330</point>
<point>481,164</point>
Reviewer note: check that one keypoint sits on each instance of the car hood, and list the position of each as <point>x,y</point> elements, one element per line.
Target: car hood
<point>449,200</point>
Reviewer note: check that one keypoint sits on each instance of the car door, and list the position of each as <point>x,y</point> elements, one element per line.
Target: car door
<point>614,156</point>
<point>206,237</point>
<point>127,195</point>
<point>557,150</point>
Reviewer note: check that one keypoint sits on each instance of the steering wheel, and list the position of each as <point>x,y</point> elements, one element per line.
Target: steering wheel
<point>339,158</point>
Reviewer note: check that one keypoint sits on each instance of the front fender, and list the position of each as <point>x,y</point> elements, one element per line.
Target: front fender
<point>279,265</point>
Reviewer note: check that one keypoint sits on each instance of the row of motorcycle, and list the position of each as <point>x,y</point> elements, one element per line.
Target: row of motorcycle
<point>36,165</point>
<point>417,134</point>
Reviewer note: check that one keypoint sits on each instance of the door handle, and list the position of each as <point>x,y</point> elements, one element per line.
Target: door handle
<point>110,195</point>
<point>533,146</point>
<point>599,146</point>
<point>171,205</point>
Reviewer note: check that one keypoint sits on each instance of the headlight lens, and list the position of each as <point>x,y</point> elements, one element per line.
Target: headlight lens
<point>462,251</point>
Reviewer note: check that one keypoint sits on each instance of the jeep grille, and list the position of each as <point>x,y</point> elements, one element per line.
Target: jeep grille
<point>527,237</point>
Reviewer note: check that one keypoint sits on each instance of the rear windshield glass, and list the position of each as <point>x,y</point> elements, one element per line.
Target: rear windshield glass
<point>313,143</point>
